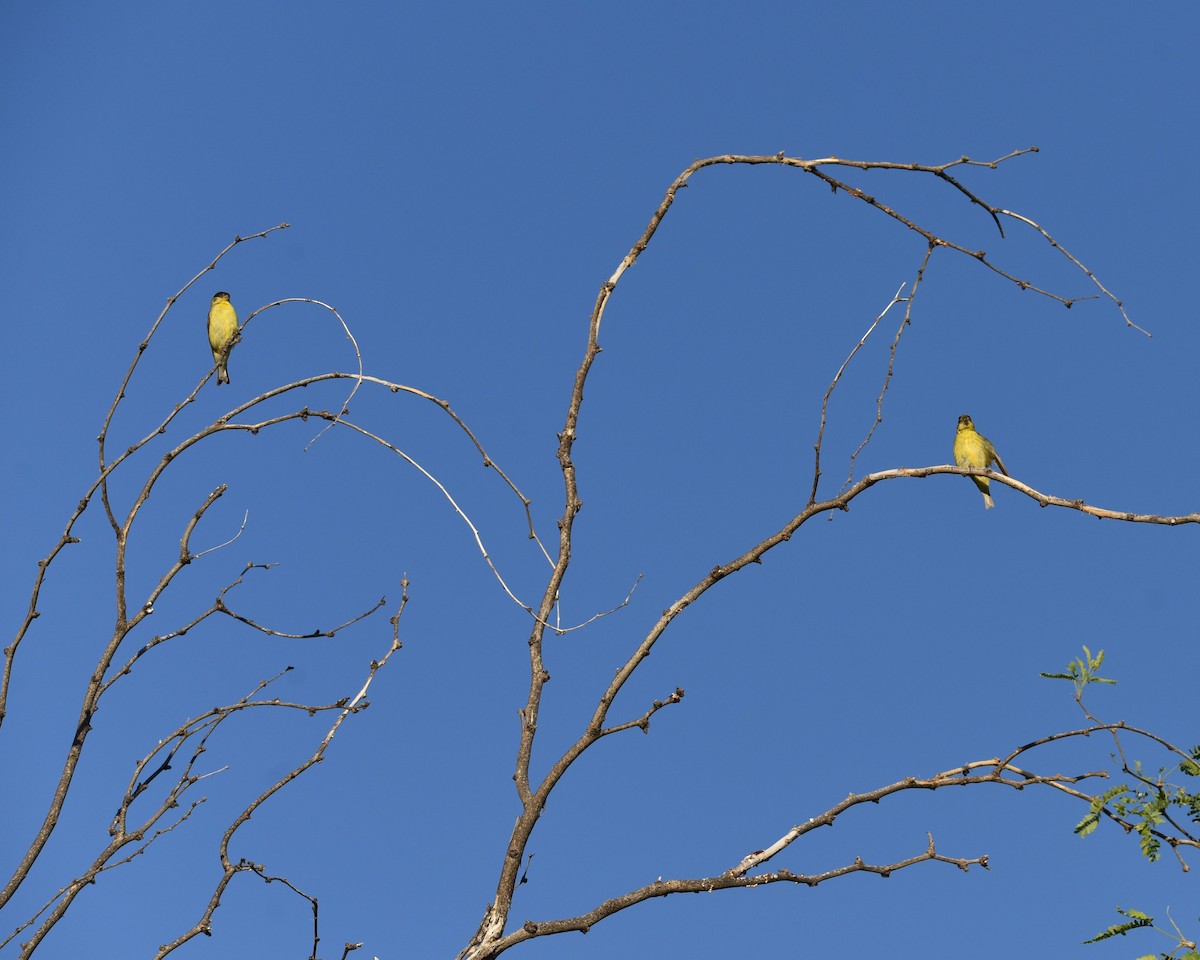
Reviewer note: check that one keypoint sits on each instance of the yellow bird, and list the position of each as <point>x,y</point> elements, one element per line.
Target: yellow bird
<point>222,332</point>
<point>973,449</point>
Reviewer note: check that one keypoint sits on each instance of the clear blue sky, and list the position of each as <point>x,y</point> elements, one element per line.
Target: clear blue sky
<point>460,181</point>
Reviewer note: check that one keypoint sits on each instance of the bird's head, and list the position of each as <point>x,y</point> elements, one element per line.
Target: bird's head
<point>965,423</point>
<point>221,295</point>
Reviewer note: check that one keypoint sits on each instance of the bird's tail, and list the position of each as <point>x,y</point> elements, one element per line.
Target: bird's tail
<point>988,502</point>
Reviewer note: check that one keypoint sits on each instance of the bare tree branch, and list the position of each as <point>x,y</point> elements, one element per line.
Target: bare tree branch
<point>156,774</point>
<point>490,934</point>
<point>230,867</point>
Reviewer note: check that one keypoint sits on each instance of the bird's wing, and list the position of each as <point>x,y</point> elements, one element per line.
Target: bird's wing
<point>999,462</point>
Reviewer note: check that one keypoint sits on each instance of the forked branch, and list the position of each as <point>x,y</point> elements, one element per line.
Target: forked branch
<point>490,935</point>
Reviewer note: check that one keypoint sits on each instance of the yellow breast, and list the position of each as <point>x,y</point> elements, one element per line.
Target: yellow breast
<point>970,449</point>
<point>222,324</point>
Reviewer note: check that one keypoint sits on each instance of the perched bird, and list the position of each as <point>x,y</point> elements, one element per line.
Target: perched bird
<point>973,449</point>
<point>222,331</point>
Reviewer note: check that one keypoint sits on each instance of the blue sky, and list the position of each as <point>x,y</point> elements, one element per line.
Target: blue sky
<point>460,181</point>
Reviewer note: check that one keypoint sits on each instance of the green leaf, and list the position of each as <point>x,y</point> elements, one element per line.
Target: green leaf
<point>1120,929</point>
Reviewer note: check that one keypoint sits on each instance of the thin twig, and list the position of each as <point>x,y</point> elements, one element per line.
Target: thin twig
<point>891,367</point>
<point>896,298</point>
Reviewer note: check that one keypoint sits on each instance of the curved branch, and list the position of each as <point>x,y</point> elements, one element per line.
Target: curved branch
<point>533,800</point>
